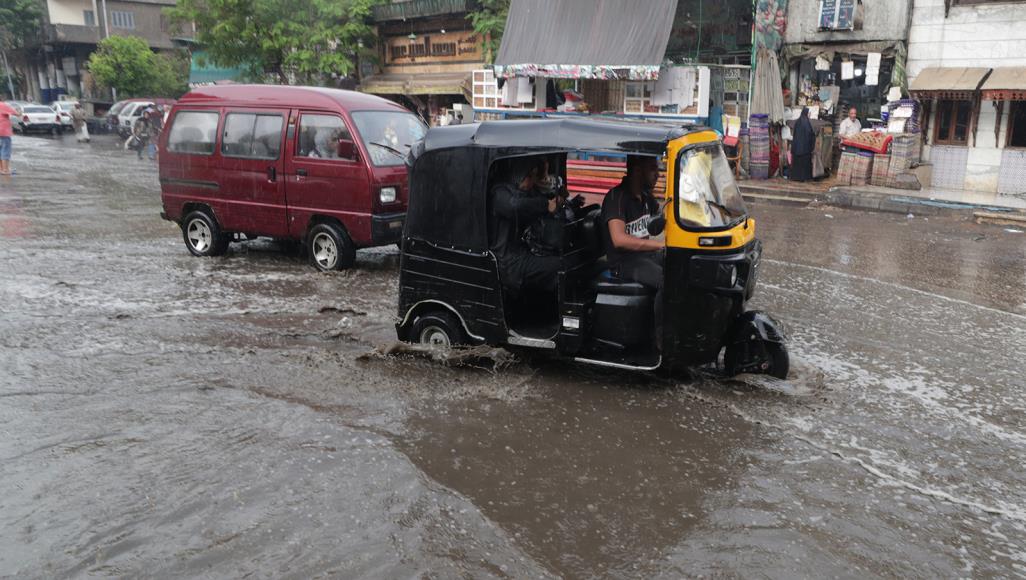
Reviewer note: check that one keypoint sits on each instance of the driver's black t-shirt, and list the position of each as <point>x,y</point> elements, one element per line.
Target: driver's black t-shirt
<point>635,213</point>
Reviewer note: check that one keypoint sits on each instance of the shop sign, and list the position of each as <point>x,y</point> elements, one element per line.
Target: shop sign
<point>457,46</point>
<point>837,14</point>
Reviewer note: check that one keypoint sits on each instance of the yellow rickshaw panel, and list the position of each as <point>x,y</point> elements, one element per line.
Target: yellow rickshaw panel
<point>678,237</point>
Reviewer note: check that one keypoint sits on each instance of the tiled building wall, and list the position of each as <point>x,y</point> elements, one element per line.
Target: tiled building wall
<point>979,35</point>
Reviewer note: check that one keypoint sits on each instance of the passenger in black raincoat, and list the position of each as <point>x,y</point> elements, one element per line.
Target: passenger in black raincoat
<point>516,205</point>
<point>802,147</point>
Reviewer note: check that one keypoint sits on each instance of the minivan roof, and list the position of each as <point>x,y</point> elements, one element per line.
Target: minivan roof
<point>286,96</point>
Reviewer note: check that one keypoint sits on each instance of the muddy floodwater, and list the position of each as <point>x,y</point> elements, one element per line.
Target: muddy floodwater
<point>170,416</point>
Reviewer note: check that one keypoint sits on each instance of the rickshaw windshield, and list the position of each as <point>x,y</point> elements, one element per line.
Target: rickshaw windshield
<point>707,195</point>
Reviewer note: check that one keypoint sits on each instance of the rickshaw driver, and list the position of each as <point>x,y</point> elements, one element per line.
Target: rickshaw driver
<point>626,211</point>
<point>515,205</point>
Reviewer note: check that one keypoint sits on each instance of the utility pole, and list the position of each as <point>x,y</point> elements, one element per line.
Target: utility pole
<point>106,34</point>
<point>7,69</point>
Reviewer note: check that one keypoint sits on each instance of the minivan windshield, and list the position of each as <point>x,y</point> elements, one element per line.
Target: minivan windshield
<point>707,195</point>
<point>388,135</point>
<point>117,107</point>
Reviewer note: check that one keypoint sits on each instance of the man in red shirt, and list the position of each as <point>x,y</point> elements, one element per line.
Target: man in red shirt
<point>6,112</point>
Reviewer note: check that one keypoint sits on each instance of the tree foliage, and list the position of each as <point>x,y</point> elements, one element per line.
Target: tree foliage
<point>20,22</point>
<point>291,40</point>
<point>127,64</point>
<point>489,21</point>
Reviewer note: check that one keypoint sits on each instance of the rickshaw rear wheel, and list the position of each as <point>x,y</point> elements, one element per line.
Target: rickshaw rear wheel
<point>437,329</point>
<point>777,363</point>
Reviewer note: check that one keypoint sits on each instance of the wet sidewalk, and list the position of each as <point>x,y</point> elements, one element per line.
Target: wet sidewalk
<point>927,201</point>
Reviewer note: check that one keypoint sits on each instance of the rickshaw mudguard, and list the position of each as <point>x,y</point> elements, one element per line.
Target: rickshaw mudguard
<point>756,325</point>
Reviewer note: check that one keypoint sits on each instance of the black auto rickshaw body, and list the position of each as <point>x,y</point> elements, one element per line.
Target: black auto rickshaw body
<point>449,284</point>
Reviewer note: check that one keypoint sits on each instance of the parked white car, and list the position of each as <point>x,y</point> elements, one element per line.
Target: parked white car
<point>64,109</point>
<point>36,118</point>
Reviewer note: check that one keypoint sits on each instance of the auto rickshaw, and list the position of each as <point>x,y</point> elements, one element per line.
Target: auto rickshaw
<point>449,284</point>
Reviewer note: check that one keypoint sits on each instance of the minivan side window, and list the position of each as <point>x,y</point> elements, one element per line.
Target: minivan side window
<point>193,132</point>
<point>319,136</point>
<point>251,136</point>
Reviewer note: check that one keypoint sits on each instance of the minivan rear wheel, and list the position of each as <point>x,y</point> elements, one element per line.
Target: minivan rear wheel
<point>203,235</point>
<point>330,248</point>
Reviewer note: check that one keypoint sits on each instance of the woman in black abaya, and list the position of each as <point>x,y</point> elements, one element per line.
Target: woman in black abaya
<point>802,146</point>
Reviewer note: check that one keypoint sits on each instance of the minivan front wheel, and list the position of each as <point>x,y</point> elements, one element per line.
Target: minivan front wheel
<point>203,235</point>
<point>330,248</point>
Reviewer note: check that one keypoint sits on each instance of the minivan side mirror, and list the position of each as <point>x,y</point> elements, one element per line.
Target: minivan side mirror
<point>346,149</point>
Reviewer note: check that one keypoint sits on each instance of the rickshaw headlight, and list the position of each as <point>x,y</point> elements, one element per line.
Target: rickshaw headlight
<point>733,276</point>
<point>387,195</point>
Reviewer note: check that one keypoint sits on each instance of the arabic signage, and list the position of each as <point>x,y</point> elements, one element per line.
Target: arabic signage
<point>464,45</point>
<point>837,14</point>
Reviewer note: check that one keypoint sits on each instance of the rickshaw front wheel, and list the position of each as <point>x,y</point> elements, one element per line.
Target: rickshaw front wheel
<point>437,329</point>
<point>773,359</point>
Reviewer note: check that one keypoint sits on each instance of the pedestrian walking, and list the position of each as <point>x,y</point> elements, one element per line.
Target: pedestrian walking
<point>140,138</point>
<point>78,122</point>
<point>6,131</point>
<point>156,119</point>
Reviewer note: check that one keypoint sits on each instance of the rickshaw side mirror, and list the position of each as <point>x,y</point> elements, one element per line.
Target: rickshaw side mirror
<point>346,149</point>
<point>657,225</point>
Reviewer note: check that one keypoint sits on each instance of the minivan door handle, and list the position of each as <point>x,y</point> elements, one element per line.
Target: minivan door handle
<point>301,172</point>
<point>272,174</point>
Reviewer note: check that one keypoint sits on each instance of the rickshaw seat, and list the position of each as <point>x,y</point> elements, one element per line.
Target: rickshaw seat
<point>608,284</point>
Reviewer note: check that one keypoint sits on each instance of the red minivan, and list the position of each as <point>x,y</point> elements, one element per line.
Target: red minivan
<point>324,166</point>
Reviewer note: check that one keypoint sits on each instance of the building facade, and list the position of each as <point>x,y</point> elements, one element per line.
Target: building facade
<point>845,51</point>
<point>427,50</point>
<point>56,64</point>
<point>967,63</point>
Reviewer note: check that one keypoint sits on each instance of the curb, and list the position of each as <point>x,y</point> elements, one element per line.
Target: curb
<point>889,203</point>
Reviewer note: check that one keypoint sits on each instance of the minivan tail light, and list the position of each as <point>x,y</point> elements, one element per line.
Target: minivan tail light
<point>387,195</point>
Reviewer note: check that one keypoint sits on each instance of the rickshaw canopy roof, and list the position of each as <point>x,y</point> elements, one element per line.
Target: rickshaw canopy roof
<point>450,169</point>
<point>567,134</point>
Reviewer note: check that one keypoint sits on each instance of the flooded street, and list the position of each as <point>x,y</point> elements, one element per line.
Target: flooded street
<point>165,415</point>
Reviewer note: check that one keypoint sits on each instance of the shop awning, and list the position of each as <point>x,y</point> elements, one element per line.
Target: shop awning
<point>457,83</point>
<point>605,39</point>
<point>1005,84</point>
<point>948,82</point>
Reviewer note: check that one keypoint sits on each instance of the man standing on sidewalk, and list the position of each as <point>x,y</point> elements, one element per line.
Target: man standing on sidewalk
<point>6,112</point>
<point>851,125</point>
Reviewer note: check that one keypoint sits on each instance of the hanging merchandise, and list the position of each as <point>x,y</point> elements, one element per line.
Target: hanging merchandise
<point>847,70</point>
<point>663,92</point>
<point>509,93</point>
<point>873,68</point>
<point>822,63</point>
<point>525,92</point>
<point>767,96</point>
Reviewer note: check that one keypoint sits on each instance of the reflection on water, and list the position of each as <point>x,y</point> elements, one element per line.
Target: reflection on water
<point>590,480</point>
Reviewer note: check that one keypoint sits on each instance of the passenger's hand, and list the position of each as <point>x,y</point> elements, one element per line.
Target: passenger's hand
<point>553,204</point>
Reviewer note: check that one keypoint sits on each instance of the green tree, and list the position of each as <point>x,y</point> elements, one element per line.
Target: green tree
<point>127,64</point>
<point>20,22</point>
<point>490,21</point>
<point>301,40</point>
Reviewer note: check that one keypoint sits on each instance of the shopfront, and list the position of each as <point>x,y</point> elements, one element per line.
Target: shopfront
<point>552,50</point>
<point>1005,92</point>
<point>951,108</point>
<point>427,50</point>
<point>830,79</point>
